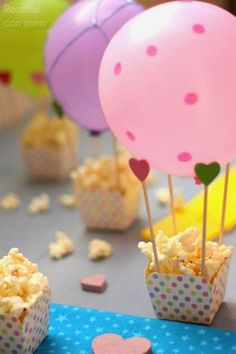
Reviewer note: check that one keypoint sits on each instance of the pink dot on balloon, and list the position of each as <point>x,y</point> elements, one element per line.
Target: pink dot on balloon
<point>117,68</point>
<point>191,98</point>
<point>184,157</point>
<point>130,136</point>
<point>198,28</point>
<point>151,50</point>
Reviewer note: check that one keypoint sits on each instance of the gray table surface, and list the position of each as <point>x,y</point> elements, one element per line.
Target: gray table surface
<point>126,292</point>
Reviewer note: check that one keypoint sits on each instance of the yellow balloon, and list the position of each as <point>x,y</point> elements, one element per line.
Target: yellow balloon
<point>24,25</point>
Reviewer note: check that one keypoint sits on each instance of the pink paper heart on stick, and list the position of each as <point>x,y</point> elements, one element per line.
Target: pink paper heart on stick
<point>38,78</point>
<point>114,344</point>
<point>140,168</point>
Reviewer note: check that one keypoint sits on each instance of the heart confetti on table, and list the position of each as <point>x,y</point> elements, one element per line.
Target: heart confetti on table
<point>5,77</point>
<point>140,168</point>
<point>206,173</point>
<point>38,78</point>
<point>114,344</point>
<point>96,283</point>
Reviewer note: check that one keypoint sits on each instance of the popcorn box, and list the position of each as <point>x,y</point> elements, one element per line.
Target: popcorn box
<point>24,338</point>
<point>187,298</point>
<point>108,210</point>
<point>49,163</point>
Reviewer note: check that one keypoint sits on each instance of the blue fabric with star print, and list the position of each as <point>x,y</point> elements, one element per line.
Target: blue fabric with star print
<point>72,330</point>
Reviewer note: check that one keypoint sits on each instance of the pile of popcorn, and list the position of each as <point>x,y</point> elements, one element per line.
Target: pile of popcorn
<point>48,131</point>
<point>181,254</point>
<point>21,284</point>
<point>10,202</point>
<point>105,174</point>
<point>99,249</point>
<point>67,200</point>
<point>62,247</point>
<point>40,204</point>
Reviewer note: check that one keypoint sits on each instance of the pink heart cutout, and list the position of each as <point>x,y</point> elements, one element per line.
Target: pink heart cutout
<point>140,168</point>
<point>95,283</point>
<point>114,344</point>
<point>38,78</point>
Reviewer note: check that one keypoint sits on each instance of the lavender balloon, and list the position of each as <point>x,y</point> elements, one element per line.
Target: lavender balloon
<point>74,51</point>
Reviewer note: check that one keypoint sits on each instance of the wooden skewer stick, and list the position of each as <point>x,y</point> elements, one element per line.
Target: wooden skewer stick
<point>225,193</point>
<point>204,231</point>
<point>172,206</point>
<point>148,209</point>
<point>42,105</point>
<point>15,105</point>
<point>4,106</point>
<point>116,157</point>
<point>96,140</point>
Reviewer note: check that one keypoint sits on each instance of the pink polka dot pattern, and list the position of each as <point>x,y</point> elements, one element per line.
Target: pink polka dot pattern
<point>117,68</point>
<point>184,157</point>
<point>130,136</point>
<point>17,337</point>
<point>108,210</point>
<point>198,28</point>
<point>187,298</point>
<point>151,50</point>
<point>191,98</point>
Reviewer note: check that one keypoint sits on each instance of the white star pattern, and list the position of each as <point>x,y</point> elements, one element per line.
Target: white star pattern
<point>72,331</point>
<point>147,328</point>
<point>118,315</point>
<point>203,343</point>
<point>99,330</point>
<point>75,309</point>
<point>61,318</point>
<point>184,338</point>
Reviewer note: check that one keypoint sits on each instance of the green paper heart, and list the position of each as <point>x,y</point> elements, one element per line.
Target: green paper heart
<point>207,172</point>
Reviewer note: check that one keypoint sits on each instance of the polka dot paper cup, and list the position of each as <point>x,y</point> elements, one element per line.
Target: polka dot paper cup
<point>47,163</point>
<point>108,210</point>
<point>187,298</point>
<point>19,338</point>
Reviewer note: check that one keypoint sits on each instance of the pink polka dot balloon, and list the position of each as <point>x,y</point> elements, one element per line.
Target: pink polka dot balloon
<point>168,86</point>
<point>73,55</point>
